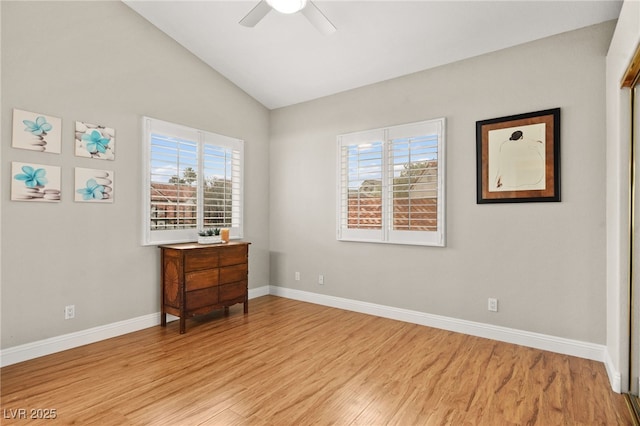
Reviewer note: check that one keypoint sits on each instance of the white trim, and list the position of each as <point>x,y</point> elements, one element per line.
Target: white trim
<point>615,378</point>
<point>52,345</point>
<point>560,345</point>
<point>259,292</point>
<point>72,340</point>
<point>525,338</point>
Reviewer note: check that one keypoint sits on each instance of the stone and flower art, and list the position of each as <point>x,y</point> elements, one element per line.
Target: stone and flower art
<point>35,182</point>
<point>93,186</point>
<point>36,132</point>
<point>95,141</point>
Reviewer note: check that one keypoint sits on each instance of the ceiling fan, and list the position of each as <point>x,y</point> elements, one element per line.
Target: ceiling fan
<point>306,7</point>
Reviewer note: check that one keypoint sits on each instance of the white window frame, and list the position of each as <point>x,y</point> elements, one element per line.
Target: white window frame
<point>387,234</point>
<point>201,137</point>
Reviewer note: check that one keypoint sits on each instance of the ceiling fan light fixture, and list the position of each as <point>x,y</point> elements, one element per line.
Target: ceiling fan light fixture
<point>287,6</point>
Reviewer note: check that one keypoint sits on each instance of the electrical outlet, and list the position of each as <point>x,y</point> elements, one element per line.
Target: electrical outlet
<point>493,304</point>
<point>297,276</point>
<point>321,279</point>
<point>69,312</point>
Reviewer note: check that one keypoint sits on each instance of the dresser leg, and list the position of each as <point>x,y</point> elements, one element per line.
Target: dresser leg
<point>182,327</point>
<point>163,319</point>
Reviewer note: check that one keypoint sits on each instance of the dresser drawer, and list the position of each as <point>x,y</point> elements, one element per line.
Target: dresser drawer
<point>199,298</point>
<point>233,291</point>
<point>201,279</point>
<point>230,274</point>
<point>195,260</point>
<point>234,255</point>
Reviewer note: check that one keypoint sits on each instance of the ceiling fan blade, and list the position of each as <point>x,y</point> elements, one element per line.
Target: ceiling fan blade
<point>256,14</point>
<point>317,19</point>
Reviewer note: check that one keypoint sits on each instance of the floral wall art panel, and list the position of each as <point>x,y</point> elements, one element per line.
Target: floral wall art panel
<point>36,132</point>
<point>93,186</point>
<point>95,141</point>
<point>35,182</point>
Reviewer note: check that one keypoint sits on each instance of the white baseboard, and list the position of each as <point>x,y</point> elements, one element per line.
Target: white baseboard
<point>52,345</point>
<point>519,337</point>
<point>258,292</point>
<point>577,348</point>
<point>615,378</point>
<point>72,340</point>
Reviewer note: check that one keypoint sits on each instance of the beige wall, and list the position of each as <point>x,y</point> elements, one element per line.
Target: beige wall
<point>102,63</point>
<point>545,262</point>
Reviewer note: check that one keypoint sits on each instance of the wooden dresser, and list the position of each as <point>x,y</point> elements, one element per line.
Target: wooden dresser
<point>198,278</point>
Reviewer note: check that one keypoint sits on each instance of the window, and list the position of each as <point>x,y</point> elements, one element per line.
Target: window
<point>391,184</point>
<point>192,181</point>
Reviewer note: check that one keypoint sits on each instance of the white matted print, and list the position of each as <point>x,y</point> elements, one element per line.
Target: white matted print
<point>36,132</point>
<point>35,182</point>
<point>93,186</point>
<point>95,141</point>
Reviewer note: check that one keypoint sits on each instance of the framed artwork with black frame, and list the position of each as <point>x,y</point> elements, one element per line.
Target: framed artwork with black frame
<point>518,158</point>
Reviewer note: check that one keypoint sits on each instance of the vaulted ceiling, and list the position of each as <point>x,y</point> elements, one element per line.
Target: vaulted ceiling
<point>284,60</point>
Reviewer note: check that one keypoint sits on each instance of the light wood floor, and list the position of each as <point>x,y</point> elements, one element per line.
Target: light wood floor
<point>294,363</point>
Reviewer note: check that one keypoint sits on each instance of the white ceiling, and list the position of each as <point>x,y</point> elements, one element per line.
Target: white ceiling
<point>284,60</point>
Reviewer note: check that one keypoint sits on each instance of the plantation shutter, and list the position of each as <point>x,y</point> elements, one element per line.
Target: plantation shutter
<point>173,198</point>
<point>222,183</point>
<point>361,177</point>
<point>391,184</point>
<point>416,206</point>
<point>414,185</point>
<point>193,181</point>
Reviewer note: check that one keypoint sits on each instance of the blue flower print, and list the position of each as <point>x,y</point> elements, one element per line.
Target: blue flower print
<point>95,142</point>
<point>33,178</point>
<point>93,191</point>
<point>39,127</point>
